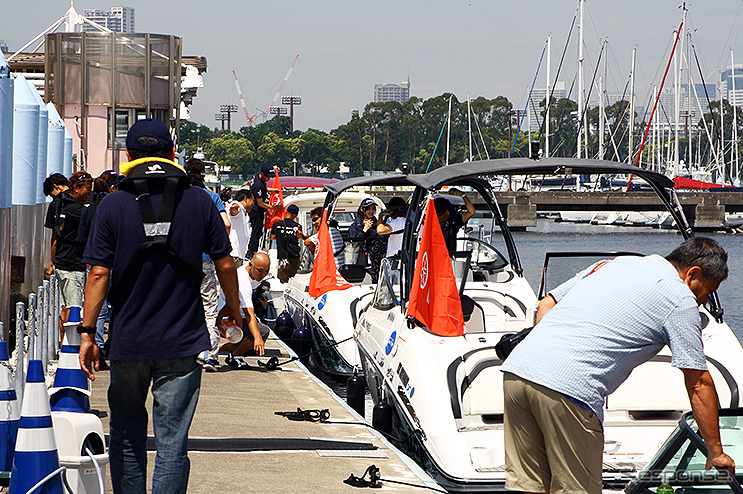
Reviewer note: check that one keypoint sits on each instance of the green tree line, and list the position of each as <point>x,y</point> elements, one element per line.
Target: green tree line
<point>388,136</point>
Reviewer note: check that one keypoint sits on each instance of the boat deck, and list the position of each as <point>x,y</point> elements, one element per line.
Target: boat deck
<point>241,404</point>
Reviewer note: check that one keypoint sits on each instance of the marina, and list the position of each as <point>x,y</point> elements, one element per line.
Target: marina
<point>384,361</point>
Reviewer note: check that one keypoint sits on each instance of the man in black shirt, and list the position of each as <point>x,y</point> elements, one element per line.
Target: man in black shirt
<point>287,233</point>
<point>258,213</point>
<point>63,218</point>
<point>450,219</point>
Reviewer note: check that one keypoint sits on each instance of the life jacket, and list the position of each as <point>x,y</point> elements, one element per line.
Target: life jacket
<point>145,177</point>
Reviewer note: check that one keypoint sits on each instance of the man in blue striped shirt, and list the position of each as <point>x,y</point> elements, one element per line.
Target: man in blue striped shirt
<point>591,332</point>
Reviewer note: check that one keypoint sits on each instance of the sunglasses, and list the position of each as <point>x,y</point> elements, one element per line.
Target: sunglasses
<point>315,219</point>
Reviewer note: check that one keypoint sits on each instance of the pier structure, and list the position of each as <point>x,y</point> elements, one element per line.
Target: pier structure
<point>704,210</point>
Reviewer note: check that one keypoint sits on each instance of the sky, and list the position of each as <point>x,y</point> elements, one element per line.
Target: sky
<point>466,47</point>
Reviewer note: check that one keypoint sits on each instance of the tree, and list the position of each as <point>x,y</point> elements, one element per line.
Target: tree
<point>233,151</point>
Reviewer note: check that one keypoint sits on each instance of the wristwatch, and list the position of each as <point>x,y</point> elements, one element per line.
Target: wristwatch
<point>86,329</point>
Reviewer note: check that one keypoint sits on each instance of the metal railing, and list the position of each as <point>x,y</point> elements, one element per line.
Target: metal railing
<point>37,332</point>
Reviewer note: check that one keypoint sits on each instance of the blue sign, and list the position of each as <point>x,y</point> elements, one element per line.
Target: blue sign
<point>391,342</point>
<point>321,302</point>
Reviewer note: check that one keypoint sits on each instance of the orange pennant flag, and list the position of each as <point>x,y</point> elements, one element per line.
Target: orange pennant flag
<point>434,298</point>
<point>325,276</point>
<point>276,199</point>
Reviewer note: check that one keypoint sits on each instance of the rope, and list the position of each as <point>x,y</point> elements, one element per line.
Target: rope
<point>375,478</point>
<point>306,415</point>
<point>437,142</point>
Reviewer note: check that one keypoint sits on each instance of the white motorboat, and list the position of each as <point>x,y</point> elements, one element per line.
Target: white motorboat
<point>328,321</point>
<point>444,394</point>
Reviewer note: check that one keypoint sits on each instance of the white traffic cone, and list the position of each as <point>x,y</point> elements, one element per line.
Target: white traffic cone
<point>35,450</point>
<point>9,411</point>
<point>71,390</point>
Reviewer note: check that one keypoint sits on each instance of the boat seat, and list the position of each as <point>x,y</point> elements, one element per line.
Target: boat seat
<point>353,273</point>
<point>666,393</point>
<point>474,316</point>
<point>481,391</point>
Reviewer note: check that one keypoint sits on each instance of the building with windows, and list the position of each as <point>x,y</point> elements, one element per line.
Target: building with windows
<point>392,92</point>
<point>118,19</point>
<point>538,97</point>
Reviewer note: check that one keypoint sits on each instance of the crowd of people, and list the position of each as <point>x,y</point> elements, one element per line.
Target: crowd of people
<point>124,247</point>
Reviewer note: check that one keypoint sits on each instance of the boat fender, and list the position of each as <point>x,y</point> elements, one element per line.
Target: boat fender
<point>355,392</point>
<point>382,417</point>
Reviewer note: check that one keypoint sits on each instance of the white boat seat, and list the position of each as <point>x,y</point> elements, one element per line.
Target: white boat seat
<point>481,389</point>
<point>474,316</point>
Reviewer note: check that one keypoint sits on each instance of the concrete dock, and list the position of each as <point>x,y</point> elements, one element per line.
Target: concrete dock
<point>241,404</point>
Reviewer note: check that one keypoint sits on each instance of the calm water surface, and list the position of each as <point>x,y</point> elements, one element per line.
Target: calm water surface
<point>560,237</point>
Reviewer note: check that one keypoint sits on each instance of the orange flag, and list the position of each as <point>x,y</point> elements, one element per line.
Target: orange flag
<point>434,298</point>
<point>325,276</point>
<point>276,199</point>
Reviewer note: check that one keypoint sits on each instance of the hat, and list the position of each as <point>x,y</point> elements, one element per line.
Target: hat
<point>152,128</point>
<point>267,169</point>
<point>293,209</point>
<point>368,202</point>
<point>114,180</point>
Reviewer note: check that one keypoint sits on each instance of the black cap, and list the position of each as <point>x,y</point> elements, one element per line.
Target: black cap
<point>368,202</point>
<point>267,169</point>
<point>293,209</point>
<point>150,127</point>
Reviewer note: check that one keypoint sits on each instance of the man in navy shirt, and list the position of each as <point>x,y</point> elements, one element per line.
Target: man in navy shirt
<point>258,213</point>
<point>157,324</point>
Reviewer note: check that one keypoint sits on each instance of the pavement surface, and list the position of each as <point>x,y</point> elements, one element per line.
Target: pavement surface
<point>241,404</point>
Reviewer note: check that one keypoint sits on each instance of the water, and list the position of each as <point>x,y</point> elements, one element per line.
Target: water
<point>562,237</point>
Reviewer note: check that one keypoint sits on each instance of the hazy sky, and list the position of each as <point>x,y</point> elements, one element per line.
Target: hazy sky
<point>484,48</point>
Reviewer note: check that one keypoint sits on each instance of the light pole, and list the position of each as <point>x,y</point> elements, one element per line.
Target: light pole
<point>228,110</point>
<point>221,117</point>
<point>291,101</point>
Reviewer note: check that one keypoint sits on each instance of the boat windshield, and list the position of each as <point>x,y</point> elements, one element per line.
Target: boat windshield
<point>681,460</point>
<point>561,266</point>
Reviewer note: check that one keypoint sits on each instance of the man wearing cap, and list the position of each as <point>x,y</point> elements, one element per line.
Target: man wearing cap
<point>148,239</point>
<point>258,213</point>
<point>287,233</point>
<point>63,218</point>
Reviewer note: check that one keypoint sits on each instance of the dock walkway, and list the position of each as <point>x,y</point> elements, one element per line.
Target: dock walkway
<point>241,404</point>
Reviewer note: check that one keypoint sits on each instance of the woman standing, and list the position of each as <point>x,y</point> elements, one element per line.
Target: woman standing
<point>363,232</point>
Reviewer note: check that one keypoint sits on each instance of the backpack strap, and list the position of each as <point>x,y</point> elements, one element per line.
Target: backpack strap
<point>157,231</point>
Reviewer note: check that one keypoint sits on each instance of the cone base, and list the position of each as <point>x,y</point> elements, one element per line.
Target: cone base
<point>8,435</point>
<point>69,400</point>
<point>29,467</point>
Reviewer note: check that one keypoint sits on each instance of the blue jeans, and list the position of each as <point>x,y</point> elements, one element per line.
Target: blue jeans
<point>175,391</point>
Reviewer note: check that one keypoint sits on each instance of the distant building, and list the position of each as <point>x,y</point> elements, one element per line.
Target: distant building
<point>539,95</point>
<point>118,19</point>
<point>392,92</point>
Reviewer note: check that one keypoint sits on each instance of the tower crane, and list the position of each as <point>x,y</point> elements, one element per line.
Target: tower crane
<point>251,119</point>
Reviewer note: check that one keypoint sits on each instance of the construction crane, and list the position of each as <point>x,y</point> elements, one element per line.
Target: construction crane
<point>251,119</point>
<point>242,100</point>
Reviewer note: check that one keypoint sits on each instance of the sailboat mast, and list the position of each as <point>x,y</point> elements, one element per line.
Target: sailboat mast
<point>677,98</point>
<point>722,133</point>
<point>547,100</point>
<point>469,125</point>
<point>689,89</point>
<point>602,101</point>
<point>448,132</point>
<point>734,174</point>
<point>632,106</point>
<point>580,81</point>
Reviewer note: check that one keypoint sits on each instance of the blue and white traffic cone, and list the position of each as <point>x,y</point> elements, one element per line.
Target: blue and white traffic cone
<point>9,411</point>
<point>71,390</point>
<point>35,450</point>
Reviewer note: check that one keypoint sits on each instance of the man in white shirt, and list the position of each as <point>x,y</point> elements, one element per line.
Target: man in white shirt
<point>254,332</point>
<point>392,223</point>
<point>240,232</point>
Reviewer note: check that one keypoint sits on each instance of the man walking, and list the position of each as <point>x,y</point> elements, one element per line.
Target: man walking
<point>148,239</point>
<point>209,291</point>
<point>63,218</point>
<point>287,233</point>
<point>591,332</point>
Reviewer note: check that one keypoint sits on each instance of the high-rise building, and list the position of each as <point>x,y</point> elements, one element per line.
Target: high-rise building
<point>538,96</point>
<point>392,92</point>
<point>118,19</point>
